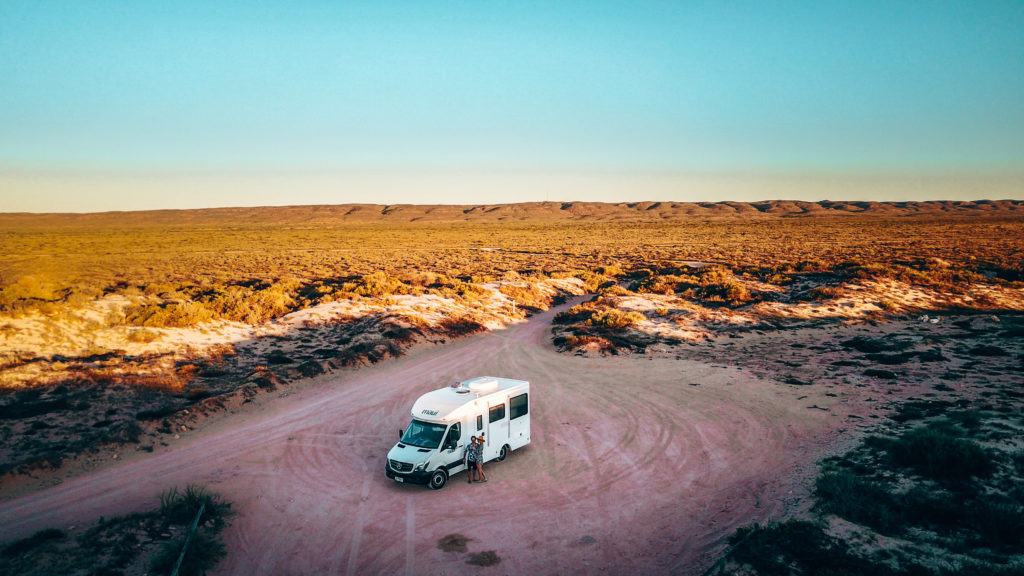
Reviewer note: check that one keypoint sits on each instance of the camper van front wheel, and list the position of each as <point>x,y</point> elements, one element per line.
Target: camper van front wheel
<point>503,453</point>
<point>438,479</point>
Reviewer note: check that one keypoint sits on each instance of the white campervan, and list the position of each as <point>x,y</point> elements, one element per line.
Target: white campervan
<point>431,449</point>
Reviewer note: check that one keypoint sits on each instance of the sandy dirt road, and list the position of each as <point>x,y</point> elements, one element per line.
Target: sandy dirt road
<point>637,465</point>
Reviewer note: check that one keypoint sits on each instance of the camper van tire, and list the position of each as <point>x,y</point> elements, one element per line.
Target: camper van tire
<point>438,479</point>
<point>503,453</point>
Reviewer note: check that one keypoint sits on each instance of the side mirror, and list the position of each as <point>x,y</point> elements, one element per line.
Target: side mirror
<point>401,433</point>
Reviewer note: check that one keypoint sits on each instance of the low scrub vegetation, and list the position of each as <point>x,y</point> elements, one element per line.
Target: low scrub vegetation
<point>140,543</point>
<point>710,284</point>
<point>249,271</point>
<point>945,494</point>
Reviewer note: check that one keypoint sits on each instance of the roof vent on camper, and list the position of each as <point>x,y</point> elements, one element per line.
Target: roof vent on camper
<point>482,385</point>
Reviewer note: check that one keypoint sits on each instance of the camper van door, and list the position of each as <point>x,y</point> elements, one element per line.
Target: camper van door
<point>452,448</point>
<point>497,428</point>
<point>519,420</point>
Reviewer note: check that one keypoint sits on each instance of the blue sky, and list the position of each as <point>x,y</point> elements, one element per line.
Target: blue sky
<point>129,105</point>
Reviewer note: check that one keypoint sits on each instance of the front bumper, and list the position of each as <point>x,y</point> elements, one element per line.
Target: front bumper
<point>407,477</point>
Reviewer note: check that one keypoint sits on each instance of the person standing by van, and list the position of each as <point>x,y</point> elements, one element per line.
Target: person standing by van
<point>470,458</point>
<point>479,443</point>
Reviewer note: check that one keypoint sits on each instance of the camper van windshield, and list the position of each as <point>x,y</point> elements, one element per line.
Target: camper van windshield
<point>424,434</point>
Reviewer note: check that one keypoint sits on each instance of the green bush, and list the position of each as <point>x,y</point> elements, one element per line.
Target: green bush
<point>19,547</point>
<point>935,451</point>
<point>203,553</point>
<point>798,547</point>
<point>860,500</point>
<point>180,507</point>
<point>613,319</point>
<point>998,520</point>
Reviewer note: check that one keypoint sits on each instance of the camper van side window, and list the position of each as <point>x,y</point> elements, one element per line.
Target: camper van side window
<point>479,423</point>
<point>454,434</point>
<point>497,413</point>
<point>519,406</point>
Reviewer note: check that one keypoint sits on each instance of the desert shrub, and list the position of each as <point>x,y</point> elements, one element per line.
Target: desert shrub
<point>613,319</point>
<point>459,326</point>
<point>579,313</point>
<point>967,419</point>
<point>797,547</point>
<point>935,451</point>
<point>810,266</point>
<point>167,315</point>
<point>29,292</point>
<point>19,547</point>
<point>714,283</point>
<point>421,278</point>
<point>615,290</point>
<point>611,270</point>
<point>937,510</point>
<point>528,295</point>
<point>379,284</point>
<point>180,506</point>
<point>278,357</point>
<point>881,374</point>
<point>930,272</point>
<point>252,305</point>
<point>401,334</point>
<point>714,274</point>
<point>821,293</point>
<point>204,549</point>
<point>867,344</point>
<point>162,289</point>
<point>997,520</point>
<point>592,281</point>
<point>464,290</point>
<point>892,359</point>
<point>729,291</point>
<point>989,350</point>
<point>573,341</point>
<point>314,293</point>
<point>847,495</point>
<point>920,409</point>
<point>203,553</point>
<point>666,285</point>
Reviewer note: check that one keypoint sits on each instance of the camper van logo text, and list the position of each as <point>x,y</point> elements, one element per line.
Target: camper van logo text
<point>430,412</point>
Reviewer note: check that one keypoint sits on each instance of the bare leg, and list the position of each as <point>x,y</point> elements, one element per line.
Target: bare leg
<point>480,472</point>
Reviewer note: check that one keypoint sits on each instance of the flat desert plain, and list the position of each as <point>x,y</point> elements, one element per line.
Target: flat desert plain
<point>653,439</point>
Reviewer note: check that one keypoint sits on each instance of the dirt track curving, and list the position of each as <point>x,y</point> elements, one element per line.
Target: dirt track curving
<point>638,465</point>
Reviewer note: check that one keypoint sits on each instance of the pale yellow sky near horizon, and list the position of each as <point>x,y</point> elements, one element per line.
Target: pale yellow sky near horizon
<point>97,192</point>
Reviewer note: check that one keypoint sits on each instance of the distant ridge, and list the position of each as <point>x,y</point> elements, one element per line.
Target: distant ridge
<point>525,212</point>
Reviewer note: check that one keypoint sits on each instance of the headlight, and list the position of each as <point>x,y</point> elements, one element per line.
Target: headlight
<point>419,467</point>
